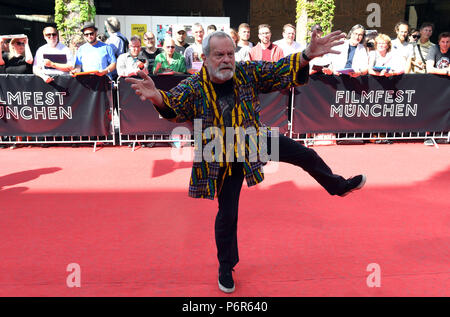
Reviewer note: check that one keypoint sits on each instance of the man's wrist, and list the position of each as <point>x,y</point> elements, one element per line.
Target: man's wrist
<point>305,56</point>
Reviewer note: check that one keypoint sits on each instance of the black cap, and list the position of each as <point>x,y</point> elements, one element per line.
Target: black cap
<point>88,25</point>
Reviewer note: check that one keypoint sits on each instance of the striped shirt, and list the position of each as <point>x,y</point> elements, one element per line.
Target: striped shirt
<point>195,98</point>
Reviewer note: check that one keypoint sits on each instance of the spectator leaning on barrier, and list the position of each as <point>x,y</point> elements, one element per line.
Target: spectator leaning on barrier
<point>193,53</point>
<point>353,55</point>
<point>94,56</point>
<point>243,46</point>
<point>129,63</point>
<point>53,58</point>
<point>400,45</point>
<point>288,43</point>
<point>382,62</point>
<point>19,59</point>
<point>150,51</point>
<point>169,60</point>
<point>438,58</point>
<point>117,40</point>
<point>421,48</point>
<point>179,36</point>
<point>265,50</point>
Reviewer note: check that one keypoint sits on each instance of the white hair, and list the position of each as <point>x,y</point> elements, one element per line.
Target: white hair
<point>206,47</point>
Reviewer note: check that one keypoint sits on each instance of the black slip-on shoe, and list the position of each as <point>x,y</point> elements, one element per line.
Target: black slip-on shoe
<point>354,183</point>
<point>226,282</point>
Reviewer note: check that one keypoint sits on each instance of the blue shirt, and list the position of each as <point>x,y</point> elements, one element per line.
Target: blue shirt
<point>351,54</point>
<point>94,57</point>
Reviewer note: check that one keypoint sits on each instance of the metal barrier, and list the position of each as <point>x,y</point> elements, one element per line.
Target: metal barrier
<point>150,139</point>
<point>310,139</point>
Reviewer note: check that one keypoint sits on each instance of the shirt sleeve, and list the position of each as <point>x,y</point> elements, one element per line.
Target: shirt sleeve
<point>431,54</point>
<point>111,55</point>
<point>272,76</point>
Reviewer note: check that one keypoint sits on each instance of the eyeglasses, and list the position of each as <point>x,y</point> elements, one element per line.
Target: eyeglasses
<point>416,36</point>
<point>149,38</point>
<point>89,34</point>
<point>170,46</point>
<point>51,35</point>
<point>20,43</point>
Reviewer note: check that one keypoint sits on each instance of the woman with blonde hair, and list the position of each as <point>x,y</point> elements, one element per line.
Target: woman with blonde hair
<point>382,62</point>
<point>19,59</point>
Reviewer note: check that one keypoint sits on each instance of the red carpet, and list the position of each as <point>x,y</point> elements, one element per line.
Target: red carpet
<point>126,219</point>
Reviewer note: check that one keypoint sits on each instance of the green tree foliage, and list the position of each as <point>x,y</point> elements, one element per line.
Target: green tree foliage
<point>318,11</point>
<point>70,15</point>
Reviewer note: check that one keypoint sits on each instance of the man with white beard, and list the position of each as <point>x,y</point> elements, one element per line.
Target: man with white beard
<point>223,97</point>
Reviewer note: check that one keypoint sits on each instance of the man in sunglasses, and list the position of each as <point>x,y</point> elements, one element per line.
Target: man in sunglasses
<point>53,58</point>
<point>94,55</point>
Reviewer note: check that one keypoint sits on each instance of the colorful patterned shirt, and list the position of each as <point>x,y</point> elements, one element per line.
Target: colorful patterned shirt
<point>195,98</point>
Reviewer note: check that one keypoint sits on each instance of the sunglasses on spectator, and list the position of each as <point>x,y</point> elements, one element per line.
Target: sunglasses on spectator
<point>89,34</point>
<point>51,34</point>
<point>149,38</point>
<point>19,43</point>
<point>416,36</point>
<point>170,46</point>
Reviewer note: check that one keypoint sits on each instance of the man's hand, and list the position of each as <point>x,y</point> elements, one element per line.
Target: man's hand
<point>320,46</point>
<point>145,88</point>
<point>48,79</point>
<point>48,63</point>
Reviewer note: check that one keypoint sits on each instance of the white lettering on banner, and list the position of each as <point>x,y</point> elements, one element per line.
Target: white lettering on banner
<point>384,103</point>
<point>35,105</point>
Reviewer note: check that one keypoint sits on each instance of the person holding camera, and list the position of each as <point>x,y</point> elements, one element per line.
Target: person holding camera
<point>128,64</point>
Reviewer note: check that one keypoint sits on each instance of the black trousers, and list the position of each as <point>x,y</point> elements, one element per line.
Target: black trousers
<point>291,152</point>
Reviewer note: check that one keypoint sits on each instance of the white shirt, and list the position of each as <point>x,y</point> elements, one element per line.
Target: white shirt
<point>391,60</point>
<point>127,64</point>
<point>46,49</point>
<point>243,54</point>
<point>404,49</point>
<point>337,61</point>
<point>295,47</point>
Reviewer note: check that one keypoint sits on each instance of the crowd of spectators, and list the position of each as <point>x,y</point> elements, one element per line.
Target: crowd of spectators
<point>112,54</point>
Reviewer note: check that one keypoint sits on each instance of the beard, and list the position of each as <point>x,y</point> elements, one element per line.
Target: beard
<point>223,73</point>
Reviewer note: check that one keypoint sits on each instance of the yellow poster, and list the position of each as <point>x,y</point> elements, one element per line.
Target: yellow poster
<point>139,30</point>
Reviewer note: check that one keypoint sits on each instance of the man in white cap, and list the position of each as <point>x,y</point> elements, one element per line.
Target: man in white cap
<point>179,36</point>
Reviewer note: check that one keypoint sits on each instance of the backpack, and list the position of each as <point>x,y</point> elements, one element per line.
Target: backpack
<point>125,44</point>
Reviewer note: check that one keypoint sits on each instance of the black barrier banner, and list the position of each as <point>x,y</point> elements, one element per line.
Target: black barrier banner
<point>275,109</point>
<point>137,117</point>
<point>65,107</point>
<point>406,103</point>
